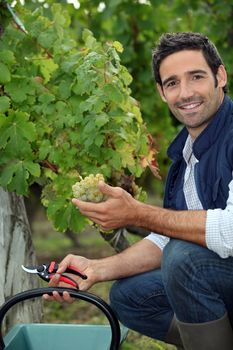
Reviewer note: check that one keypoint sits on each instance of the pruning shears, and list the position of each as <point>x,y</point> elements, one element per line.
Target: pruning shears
<point>47,271</point>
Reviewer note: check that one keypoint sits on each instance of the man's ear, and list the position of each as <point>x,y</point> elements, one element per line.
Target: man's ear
<point>221,76</point>
<point>160,90</point>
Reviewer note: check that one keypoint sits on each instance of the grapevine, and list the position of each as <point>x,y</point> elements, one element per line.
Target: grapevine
<point>66,111</point>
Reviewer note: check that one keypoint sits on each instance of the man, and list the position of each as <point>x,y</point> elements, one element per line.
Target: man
<point>176,285</point>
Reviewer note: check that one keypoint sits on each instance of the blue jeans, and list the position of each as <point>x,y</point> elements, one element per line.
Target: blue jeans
<point>193,283</point>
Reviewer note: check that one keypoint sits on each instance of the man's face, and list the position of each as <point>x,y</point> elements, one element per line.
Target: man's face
<point>189,88</point>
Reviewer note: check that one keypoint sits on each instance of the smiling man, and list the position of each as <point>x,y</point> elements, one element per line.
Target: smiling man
<point>176,285</point>
<point>188,87</point>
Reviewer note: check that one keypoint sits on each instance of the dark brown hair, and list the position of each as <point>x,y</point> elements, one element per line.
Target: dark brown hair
<point>173,42</point>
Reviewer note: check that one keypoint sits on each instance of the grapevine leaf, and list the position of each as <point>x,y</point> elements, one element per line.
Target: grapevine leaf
<point>7,174</point>
<point>137,113</point>
<point>25,128</point>
<point>65,89</point>
<point>61,17</point>
<point>47,68</point>
<point>44,149</point>
<point>35,26</point>
<point>4,104</point>
<point>5,75</point>
<point>86,34</point>
<point>19,180</point>
<point>33,168</point>
<point>90,41</point>
<point>87,84</point>
<point>17,95</point>
<point>7,57</point>
<point>90,127</point>
<point>59,212</point>
<point>47,38</point>
<point>115,161</point>
<point>113,93</point>
<point>125,76</point>
<point>46,98</point>
<point>68,45</point>
<point>19,88</point>
<point>77,220</point>
<point>69,65</point>
<point>71,218</point>
<point>99,139</point>
<point>118,46</point>
<point>126,154</point>
<point>55,205</point>
<point>16,133</point>
<point>61,107</point>
<point>101,120</point>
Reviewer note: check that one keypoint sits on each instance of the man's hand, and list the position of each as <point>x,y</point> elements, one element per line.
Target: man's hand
<point>119,210</point>
<point>82,264</point>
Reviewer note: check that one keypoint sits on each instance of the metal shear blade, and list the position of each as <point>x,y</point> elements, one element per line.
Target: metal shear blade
<point>29,269</point>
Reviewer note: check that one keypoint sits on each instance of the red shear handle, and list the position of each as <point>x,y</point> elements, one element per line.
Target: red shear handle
<point>52,266</point>
<point>75,271</point>
<point>67,280</point>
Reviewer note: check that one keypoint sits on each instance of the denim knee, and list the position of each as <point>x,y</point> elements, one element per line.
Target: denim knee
<point>183,264</point>
<point>121,300</point>
<point>189,273</point>
<point>140,303</point>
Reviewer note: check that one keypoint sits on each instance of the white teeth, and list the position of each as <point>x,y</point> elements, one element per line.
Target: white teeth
<point>193,105</point>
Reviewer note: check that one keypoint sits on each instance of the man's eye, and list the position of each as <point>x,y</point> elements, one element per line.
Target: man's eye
<point>197,77</point>
<point>171,84</point>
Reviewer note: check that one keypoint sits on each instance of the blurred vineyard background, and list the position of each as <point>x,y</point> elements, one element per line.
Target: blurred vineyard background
<point>137,25</point>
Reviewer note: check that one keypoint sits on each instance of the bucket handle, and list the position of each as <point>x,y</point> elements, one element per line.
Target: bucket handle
<point>91,298</point>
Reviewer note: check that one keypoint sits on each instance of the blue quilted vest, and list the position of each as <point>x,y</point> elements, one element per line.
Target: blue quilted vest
<point>214,150</point>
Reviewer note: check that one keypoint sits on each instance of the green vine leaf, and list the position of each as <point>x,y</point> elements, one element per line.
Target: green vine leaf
<point>4,104</point>
<point>5,75</point>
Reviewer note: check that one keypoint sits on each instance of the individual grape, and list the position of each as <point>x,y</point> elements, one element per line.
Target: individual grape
<point>87,189</point>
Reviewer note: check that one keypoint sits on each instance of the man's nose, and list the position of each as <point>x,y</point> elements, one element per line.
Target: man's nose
<point>186,90</point>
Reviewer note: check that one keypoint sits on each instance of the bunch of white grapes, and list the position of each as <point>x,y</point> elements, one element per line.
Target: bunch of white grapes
<point>87,189</point>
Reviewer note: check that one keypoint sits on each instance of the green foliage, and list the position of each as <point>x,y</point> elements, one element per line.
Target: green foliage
<point>65,110</point>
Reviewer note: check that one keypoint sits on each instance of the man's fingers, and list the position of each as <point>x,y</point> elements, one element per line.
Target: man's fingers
<point>110,191</point>
<point>96,218</point>
<point>95,212</point>
<point>65,297</point>
<point>54,282</point>
<point>64,264</point>
<point>87,206</point>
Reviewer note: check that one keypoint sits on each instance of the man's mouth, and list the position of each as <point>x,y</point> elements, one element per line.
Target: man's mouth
<point>189,106</point>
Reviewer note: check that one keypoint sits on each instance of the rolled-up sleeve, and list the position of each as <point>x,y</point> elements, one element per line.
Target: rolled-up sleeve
<point>157,239</point>
<point>219,228</point>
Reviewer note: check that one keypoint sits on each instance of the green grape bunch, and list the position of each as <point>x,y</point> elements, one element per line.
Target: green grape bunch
<point>87,189</point>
